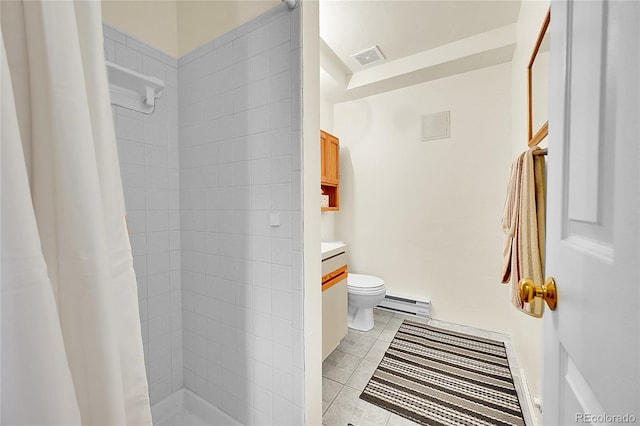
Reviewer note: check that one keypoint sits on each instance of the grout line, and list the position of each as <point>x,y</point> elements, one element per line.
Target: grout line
<point>335,396</point>
<point>354,370</point>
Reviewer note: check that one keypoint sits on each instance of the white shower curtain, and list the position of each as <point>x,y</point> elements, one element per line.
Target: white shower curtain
<point>71,345</point>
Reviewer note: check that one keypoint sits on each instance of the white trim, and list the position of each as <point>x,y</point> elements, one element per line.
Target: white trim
<point>532,406</point>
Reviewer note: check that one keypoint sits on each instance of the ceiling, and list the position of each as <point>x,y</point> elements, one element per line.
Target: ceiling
<point>413,35</point>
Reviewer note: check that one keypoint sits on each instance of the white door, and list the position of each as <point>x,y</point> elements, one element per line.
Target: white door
<point>591,357</point>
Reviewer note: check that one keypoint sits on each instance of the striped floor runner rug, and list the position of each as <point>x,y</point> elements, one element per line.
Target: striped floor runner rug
<point>438,377</point>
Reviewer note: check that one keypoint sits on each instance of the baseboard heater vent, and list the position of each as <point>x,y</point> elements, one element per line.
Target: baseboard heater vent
<point>406,306</point>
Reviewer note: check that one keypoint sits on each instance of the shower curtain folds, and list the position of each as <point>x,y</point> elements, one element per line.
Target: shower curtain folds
<point>71,345</point>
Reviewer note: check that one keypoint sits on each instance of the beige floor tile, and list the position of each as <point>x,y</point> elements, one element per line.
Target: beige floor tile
<point>389,332</point>
<point>358,346</point>
<point>378,326</point>
<point>337,356</point>
<point>352,336</point>
<point>339,366</point>
<point>362,374</point>
<point>396,420</point>
<point>382,315</point>
<point>377,351</point>
<point>329,391</point>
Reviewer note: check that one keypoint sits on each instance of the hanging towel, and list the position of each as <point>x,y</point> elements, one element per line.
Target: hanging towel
<point>523,223</point>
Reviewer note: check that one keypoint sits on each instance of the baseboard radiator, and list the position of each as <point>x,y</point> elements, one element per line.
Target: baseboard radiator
<point>419,308</point>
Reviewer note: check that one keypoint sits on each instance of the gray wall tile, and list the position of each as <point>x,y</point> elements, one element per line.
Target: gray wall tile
<point>220,289</point>
<point>252,173</point>
<point>148,152</point>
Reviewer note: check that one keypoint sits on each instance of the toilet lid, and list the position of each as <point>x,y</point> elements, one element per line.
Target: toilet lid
<point>364,281</point>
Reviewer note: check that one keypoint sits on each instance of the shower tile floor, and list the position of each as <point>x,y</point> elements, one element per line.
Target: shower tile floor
<point>185,408</point>
<point>183,418</point>
<point>347,370</point>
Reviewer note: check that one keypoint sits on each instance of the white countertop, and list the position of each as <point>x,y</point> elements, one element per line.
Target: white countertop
<point>331,248</point>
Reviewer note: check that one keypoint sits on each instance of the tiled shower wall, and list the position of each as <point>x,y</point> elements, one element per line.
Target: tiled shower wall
<point>241,205</point>
<point>148,152</point>
<point>220,213</point>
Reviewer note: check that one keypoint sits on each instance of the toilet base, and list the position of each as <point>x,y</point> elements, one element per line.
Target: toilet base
<point>360,319</point>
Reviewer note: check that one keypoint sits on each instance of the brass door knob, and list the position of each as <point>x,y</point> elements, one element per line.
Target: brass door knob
<point>529,291</point>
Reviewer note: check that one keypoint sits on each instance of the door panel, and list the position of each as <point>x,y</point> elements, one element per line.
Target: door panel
<point>591,353</point>
<point>587,26</point>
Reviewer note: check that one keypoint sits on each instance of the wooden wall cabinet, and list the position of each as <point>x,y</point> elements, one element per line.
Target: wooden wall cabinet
<point>330,169</point>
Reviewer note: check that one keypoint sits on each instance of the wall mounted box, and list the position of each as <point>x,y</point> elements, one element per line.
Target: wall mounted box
<point>436,126</point>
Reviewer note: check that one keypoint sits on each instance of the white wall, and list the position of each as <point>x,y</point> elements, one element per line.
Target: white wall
<point>326,114</point>
<point>153,22</point>
<point>179,26</point>
<point>525,331</point>
<point>200,21</point>
<point>311,209</point>
<point>425,216</point>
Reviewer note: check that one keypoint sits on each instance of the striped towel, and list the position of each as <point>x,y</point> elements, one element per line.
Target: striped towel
<point>523,223</point>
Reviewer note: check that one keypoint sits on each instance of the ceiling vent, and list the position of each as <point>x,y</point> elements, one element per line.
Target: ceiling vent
<point>369,56</point>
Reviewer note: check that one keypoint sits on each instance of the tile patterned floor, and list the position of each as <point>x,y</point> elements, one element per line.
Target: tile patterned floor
<point>346,372</point>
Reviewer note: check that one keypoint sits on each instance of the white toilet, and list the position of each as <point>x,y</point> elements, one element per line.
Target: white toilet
<point>365,292</point>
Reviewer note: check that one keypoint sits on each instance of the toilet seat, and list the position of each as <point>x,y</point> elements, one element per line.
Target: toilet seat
<point>364,284</point>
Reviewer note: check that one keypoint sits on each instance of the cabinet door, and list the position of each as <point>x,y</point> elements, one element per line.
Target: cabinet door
<point>329,169</point>
<point>335,316</point>
<point>324,149</point>
<point>332,152</point>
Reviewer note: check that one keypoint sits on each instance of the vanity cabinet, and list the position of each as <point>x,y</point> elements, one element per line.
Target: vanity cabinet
<point>334,299</point>
<point>330,169</point>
